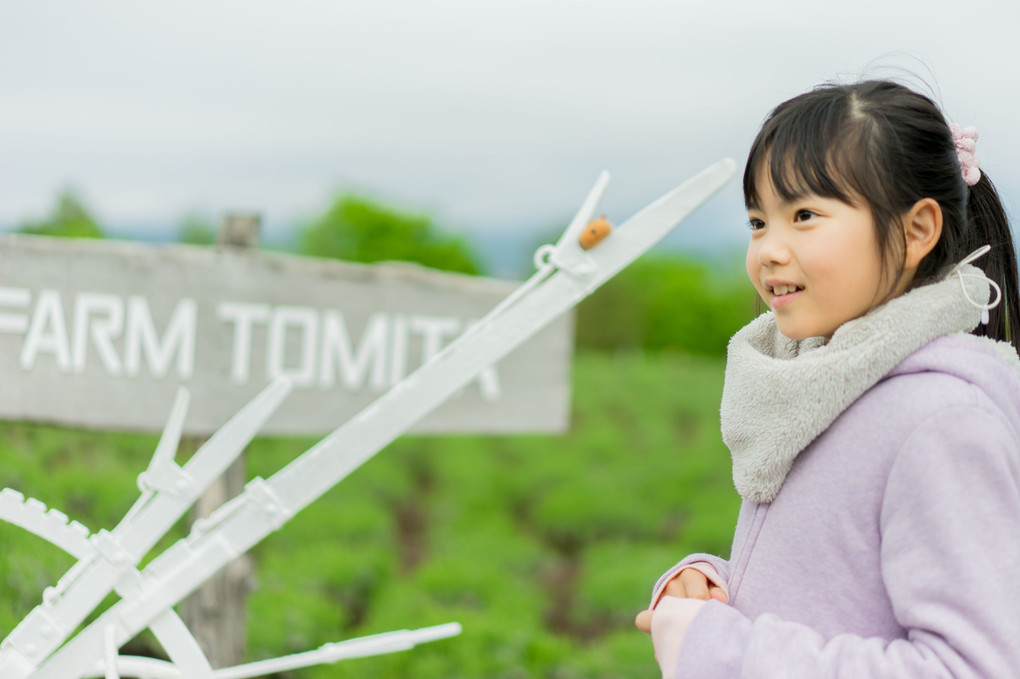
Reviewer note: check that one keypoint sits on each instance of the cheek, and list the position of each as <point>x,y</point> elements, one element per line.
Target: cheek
<point>753,268</point>
<point>844,271</point>
<point>828,257</point>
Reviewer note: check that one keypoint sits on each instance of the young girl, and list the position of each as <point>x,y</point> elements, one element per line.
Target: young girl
<point>874,423</point>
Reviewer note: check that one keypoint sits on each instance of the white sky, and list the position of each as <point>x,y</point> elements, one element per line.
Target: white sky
<point>490,115</point>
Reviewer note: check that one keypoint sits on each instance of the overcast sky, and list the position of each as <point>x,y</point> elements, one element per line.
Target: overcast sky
<point>491,116</point>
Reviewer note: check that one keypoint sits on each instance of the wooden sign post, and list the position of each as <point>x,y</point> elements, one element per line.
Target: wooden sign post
<point>217,612</point>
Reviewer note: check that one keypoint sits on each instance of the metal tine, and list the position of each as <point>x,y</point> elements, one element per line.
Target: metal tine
<point>72,537</point>
<point>586,213</point>
<point>327,654</point>
<point>207,464</point>
<point>184,650</point>
<point>545,267</point>
<point>166,449</point>
<point>567,253</point>
<point>152,516</point>
<point>170,441</point>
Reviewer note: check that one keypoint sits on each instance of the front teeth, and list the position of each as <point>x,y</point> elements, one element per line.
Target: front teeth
<point>783,289</point>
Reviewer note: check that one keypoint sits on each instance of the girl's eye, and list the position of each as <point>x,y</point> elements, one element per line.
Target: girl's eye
<point>803,215</point>
<point>755,224</point>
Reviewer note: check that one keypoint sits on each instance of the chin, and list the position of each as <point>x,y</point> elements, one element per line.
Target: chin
<point>799,333</point>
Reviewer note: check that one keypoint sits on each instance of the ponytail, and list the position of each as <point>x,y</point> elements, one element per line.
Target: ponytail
<point>987,223</point>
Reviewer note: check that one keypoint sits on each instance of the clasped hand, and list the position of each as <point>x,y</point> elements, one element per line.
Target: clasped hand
<point>689,584</point>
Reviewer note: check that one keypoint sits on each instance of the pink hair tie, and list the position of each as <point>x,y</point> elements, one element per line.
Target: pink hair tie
<point>965,140</point>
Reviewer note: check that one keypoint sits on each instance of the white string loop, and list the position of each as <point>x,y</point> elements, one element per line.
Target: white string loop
<point>958,272</point>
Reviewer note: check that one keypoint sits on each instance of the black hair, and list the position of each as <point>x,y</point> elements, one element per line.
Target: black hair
<point>884,143</point>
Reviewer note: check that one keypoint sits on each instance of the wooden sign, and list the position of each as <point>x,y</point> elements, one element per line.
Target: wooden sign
<point>99,334</point>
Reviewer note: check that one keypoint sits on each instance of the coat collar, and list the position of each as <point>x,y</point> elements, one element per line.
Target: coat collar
<point>780,394</point>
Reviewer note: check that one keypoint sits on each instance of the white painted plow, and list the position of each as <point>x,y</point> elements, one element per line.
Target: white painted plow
<point>108,560</point>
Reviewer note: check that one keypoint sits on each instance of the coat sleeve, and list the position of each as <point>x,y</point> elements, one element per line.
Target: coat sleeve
<point>716,569</point>
<point>950,559</point>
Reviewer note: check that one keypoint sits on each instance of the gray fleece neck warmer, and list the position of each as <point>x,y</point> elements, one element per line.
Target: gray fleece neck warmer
<point>780,394</point>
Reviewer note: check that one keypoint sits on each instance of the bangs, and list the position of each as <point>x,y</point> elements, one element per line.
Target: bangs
<point>816,149</point>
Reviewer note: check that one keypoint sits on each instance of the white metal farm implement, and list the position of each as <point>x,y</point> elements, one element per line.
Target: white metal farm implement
<point>42,645</point>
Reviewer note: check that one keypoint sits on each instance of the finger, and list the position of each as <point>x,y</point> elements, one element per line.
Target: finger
<point>695,583</point>
<point>643,621</point>
<point>718,594</point>
<point>675,587</point>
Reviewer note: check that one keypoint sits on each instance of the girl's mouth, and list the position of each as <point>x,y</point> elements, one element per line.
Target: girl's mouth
<point>783,295</point>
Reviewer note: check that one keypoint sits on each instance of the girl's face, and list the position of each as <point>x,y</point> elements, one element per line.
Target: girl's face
<point>815,261</point>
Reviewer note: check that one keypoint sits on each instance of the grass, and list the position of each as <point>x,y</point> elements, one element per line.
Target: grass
<point>543,547</point>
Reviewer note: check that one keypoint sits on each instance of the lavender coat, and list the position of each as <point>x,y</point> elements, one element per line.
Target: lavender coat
<point>893,546</point>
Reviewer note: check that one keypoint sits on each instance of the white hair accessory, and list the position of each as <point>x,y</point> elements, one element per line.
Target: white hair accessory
<point>960,274</point>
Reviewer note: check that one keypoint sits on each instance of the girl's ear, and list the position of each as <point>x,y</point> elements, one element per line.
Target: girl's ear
<point>922,228</point>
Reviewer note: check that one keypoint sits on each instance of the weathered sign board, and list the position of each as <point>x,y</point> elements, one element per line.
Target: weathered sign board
<point>100,334</point>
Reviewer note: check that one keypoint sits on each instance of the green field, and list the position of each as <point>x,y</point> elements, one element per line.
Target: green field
<point>543,547</point>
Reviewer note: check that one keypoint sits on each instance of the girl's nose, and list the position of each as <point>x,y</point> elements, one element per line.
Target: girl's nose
<point>773,249</point>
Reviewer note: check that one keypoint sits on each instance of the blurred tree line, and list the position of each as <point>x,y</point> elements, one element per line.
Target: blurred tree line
<point>667,303</point>
<point>69,218</point>
<point>662,302</point>
<point>360,230</point>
